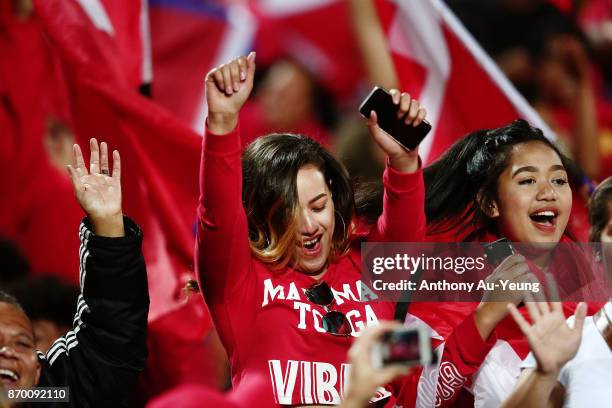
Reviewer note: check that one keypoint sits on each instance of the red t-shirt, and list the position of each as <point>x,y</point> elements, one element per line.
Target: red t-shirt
<point>265,321</point>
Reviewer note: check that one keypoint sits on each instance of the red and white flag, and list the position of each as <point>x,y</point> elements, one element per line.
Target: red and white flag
<point>190,38</point>
<point>459,84</point>
<point>126,28</point>
<point>437,60</point>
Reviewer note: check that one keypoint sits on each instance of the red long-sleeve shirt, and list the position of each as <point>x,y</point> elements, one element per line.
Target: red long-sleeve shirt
<point>265,321</point>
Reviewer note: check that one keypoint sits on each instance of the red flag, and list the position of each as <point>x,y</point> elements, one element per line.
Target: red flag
<point>317,34</point>
<point>189,39</point>
<point>187,44</point>
<point>160,156</point>
<point>37,207</point>
<point>126,28</point>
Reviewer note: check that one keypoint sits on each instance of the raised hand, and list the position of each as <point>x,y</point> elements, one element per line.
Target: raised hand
<point>227,88</point>
<point>552,341</point>
<point>97,190</point>
<point>399,158</point>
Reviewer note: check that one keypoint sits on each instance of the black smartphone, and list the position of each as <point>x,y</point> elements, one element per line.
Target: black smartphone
<point>410,347</point>
<point>381,102</point>
<point>495,252</point>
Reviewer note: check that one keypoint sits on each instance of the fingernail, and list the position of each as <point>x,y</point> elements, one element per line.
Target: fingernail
<point>236,86</point>
<point>242,75</point>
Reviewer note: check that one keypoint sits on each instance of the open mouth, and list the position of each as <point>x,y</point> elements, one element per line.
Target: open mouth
<point>8,377</point>
<point>312,245</point>
<point>545,219</point>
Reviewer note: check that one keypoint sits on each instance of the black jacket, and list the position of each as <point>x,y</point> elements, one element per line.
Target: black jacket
<point>100,358</point>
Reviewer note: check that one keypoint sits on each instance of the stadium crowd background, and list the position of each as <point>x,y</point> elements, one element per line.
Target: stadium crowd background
<point>64,79</point>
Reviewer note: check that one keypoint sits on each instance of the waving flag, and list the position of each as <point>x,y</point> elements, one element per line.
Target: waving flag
<point>458,83</point>
<point>161,155</point>
<point>126,26</point>
<point>437,60</point>
<point>190,38</point>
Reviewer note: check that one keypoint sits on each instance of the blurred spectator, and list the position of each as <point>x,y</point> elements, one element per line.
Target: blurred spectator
<point>545,54</point>
<point>14,264</point>
<point>23,8</point>
<point>49,303</point>
<point>363,159</point>
<point>595,19</point>
<point>288,98</point>
<point>58,142</point>
<point>175,360</point>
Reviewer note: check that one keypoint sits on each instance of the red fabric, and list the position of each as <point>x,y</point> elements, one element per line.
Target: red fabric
<point>566,6</point>
<point>185,47</point>
<point>159,189</point>
<point>303,33</point>
<point>127,39</point>
<point>37,206</point>
<point>252,394</point>
<point>190,40</point>
<point>470,97</point>
<point>438,64</point>
<point>304,364</point>
<point>176,357</point>
<point>594,12</point>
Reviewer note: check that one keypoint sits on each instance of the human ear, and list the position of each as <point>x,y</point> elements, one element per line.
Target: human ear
<point>488,207</point>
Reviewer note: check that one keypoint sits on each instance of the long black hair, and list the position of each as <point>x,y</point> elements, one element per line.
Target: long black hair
<point>461,186</point>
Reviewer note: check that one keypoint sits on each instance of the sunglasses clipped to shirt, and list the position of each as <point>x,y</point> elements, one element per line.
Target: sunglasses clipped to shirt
<point>334,322</point>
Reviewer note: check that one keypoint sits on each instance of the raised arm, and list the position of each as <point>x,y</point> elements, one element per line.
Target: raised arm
<point>222,247</point>
<point>372,44</point>
<point>101,357</point>
<point>403,216</point>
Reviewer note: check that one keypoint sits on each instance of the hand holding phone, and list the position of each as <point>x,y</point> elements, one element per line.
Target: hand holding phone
<point>407,347</point>
<point>366,380</point>
<point>495,252</point>
<point>398,115</point>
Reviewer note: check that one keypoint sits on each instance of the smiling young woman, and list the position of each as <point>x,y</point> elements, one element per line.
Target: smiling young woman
<point>275,254</point>
<point>534,198</point>
<point>507,182</point>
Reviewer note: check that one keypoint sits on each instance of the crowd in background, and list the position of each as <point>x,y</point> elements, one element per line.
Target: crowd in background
<point>557,53</point>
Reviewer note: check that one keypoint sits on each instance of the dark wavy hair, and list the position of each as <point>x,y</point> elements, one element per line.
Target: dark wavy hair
<point>599,212</point>
<point>461,186</point>
<point>269,171</point>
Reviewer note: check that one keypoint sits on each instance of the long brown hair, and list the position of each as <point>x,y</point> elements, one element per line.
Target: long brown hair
<point>269,171</point>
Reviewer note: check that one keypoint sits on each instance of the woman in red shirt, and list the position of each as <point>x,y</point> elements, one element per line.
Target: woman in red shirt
<point>274,248</point>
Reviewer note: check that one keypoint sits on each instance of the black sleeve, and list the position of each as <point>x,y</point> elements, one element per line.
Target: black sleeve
<point>101,357</point>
